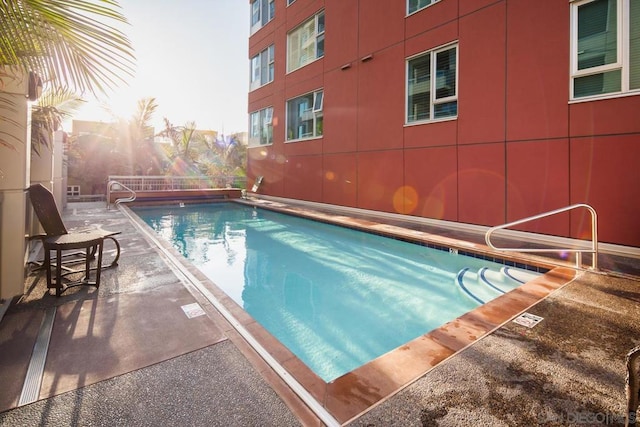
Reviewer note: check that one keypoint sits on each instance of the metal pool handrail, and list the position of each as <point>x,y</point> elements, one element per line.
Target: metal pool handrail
<point>594,235</point>
<point>110,184</point>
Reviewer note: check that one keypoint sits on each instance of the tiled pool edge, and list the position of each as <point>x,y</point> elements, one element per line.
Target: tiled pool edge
<point>412,361</point>
<point>356,392</point>
<point>475,250</point>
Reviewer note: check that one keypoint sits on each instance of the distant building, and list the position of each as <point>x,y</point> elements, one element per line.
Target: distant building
<point>479,112</point>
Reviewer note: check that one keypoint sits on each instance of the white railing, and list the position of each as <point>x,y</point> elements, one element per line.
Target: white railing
<point>172,183</point>
<point>594,236</point>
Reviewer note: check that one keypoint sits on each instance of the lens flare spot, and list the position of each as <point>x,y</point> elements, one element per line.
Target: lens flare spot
<point>434,207</point>
<point>258,154</point>
<point>405,200</point>
<point>330,176</point>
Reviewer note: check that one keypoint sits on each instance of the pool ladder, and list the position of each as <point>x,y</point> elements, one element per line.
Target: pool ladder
<point>115,185</point>
<point>593,250</point>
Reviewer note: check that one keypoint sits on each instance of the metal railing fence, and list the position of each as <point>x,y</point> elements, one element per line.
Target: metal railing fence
<point>172,183</point>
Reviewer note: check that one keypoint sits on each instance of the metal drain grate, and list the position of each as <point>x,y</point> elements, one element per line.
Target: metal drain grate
<point>33,380</point>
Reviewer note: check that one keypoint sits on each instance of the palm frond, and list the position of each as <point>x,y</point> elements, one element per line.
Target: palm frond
<point>69,43</point>
<point>48,113</point>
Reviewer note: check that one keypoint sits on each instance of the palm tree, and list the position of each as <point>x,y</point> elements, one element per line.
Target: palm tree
<point>228,157</point>
<point>138,139</point>
<point>184,158</point>
<point>48,113</point>
<point>70,44</point>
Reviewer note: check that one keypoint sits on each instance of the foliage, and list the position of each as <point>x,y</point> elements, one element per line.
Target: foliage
<point>72,45</point>
<point>91,158</point>
<point>66,42</point>
<point>184,157</point>
<point>228,157</point>
<point>135,140</point>
<point>48,113</point>
<point>128,147</point>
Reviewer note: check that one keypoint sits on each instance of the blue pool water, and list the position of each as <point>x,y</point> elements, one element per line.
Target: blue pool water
<point>336,297</point>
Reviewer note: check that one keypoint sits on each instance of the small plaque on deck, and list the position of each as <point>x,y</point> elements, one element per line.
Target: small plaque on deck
<point>192,310</point>
<point>527,319</point>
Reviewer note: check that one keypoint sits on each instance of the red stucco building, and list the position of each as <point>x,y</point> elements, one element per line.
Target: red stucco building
<point>474,111</point>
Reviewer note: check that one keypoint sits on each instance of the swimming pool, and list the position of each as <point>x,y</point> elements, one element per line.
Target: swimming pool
<point>336,297</point>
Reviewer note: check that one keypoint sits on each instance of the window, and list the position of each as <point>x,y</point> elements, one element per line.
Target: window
<point>73,190</point>
<point>415,5</point>
<point>305,44</point>
<point>304,116</point>
<point>432,81</point>
<point>262,68</point>
<point>261,127</point>
<point>262,11</point>
<point>605,47</point>
<point>289,2</point>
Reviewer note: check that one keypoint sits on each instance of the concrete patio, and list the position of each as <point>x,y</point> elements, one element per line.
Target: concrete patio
<point>127,354</point>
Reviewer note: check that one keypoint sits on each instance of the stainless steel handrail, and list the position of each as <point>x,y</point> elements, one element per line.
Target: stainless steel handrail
<point>110,184</point>
<point>594,235</point>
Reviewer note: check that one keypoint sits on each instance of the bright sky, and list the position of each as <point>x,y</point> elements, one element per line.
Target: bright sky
<point>192,56</point>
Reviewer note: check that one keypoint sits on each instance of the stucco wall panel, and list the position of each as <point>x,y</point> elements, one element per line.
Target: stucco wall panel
<point>481,184</point>
<point>431,18</point>
<point>262,36</point>
<point>304,80</point>
<point>341,31</point>
<point>340,179</point>
<point>481,98</point>
<point>605,174</point>
<point>537,78</point>
<point>606,116</point>
<point>380,180</point>
<point>303,147</point>
<point>431,180</point>
<point>538,181</point>
<point>340,113</point>
<point>303,178</point>
<point>470,6</point>
<point>267,162</point>
<point>431,134</point>
<point>380,25</point>
<point>431,39</point>
<point>381,100</point>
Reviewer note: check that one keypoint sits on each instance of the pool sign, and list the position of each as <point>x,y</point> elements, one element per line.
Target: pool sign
<point>193,310</point>
<point>527,319</point>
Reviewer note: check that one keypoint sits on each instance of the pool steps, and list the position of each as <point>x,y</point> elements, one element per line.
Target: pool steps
<point>486,284</point>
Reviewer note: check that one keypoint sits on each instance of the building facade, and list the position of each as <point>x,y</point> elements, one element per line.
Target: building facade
<point>474,111</point>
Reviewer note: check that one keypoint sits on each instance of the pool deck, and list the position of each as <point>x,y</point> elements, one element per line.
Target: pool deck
<point>127,353</point>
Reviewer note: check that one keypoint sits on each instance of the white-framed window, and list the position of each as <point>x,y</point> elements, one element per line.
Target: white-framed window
<point>262,11</point>
<point>416,5</point>
<point>605,47</point>
<point>290,2</point>
<point>305,43</point>
<point>262,66</point>
<point>261,127</point>
<point>432,85</point>
<point>73,190</point>
<point>304,116</point>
